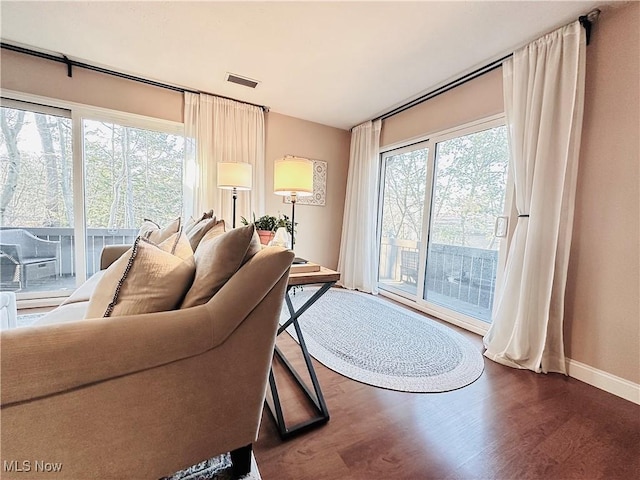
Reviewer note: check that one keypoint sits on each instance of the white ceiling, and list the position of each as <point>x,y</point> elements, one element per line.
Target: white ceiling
<point>335,63</point>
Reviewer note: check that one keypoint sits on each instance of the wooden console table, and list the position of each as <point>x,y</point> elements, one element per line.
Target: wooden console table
<point>326,278</point>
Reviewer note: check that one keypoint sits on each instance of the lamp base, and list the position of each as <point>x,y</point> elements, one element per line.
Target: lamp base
<point>299,261</point>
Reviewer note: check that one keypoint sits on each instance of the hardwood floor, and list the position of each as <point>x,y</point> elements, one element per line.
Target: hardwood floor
<point>509,424</point>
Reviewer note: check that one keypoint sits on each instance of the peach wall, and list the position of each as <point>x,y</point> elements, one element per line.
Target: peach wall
<point>602,307</point>
<point>319,228</point>
<point>474,100</point>
<point>27,74</point>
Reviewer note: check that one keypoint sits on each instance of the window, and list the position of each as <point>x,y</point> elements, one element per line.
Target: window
<point>59,205</point>
<point>130,174</point>
<point>439,204</point>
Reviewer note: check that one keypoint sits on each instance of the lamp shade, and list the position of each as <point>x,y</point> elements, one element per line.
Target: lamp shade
<point>293,175</point>
<point>234,175</point>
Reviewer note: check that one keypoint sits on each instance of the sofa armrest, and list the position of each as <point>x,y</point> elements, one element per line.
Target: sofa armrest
<point>110,253</point>
<point>49,359</point>
<point>234,301</point>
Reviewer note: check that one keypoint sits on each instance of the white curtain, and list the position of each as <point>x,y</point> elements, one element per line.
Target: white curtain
<point>358,261</point>
<point>222,130</point>
<point>544,99</point>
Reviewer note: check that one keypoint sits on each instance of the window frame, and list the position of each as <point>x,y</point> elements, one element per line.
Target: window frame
<point>79,112</point>
<point>431,140</point>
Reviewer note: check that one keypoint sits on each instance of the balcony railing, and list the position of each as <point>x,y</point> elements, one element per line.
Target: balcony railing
<point>96,239</point>
<point>462,278</point>
<point>457,277</point>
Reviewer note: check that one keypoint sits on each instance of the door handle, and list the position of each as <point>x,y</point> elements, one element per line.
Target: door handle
<point>501,227</point>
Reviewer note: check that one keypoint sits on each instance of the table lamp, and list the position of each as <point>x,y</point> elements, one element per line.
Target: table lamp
<point>293,176</point>
<point>234,176</point>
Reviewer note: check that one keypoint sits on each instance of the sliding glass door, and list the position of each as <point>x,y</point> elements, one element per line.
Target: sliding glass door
<point>36,199</point>
<point>469,186</point>
<point>445,255</point>
<point>402,209</point>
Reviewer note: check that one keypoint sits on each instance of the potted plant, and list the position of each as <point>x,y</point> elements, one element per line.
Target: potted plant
<point>284,221</point>
<point>284,232</point>
<point>266,226</point>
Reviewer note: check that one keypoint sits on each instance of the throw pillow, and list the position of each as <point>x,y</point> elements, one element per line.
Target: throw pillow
<point>180,246</point>
<point>153,232</point>
<point>218,257</point>
<point>189,224</point>
<point>200,229</point>
<point>147,227</point>
<point>148,278</point>
<point>192,222</point>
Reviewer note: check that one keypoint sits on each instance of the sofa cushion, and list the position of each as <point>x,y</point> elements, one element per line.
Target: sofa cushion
<point>149,278</point>
<point>218,257</point>
<point>153,232</point>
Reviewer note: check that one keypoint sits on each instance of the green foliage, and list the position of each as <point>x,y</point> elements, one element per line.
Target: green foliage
<point>138,171</point>
<point>41,196</point>
<point>265,222</point>
<point>468,190</point>
<point>130,173</point>
<point>284,221</point>
<point>404,195</point>
<point>270,223</point>
<point>470,182</point>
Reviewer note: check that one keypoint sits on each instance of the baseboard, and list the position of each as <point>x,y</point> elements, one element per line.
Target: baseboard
<point>604,381</point>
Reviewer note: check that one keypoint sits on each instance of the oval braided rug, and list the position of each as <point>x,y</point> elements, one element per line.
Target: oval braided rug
<point>376,342</point>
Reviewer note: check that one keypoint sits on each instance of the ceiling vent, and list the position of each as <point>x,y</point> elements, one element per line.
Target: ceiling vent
<point>244,81</point>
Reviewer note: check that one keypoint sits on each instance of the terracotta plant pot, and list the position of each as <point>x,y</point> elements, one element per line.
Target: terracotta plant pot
<point>265,236</point>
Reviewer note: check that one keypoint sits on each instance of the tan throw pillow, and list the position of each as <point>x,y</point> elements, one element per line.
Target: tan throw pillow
<point>152,231</point>
<point>218,257</point>
<point>179,246</point>
<point>148,278</point>
<point>200,229</point>
<point>254,247</point>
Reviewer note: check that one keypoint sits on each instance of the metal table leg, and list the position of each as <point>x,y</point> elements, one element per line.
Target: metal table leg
<point>315,396</point>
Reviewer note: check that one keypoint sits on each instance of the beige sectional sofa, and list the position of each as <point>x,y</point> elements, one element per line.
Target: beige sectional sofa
<point>141,396</point>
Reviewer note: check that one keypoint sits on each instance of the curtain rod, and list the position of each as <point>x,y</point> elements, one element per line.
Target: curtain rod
<point>73,63</point>
<point>445,88</point>
<point>585,20</point>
